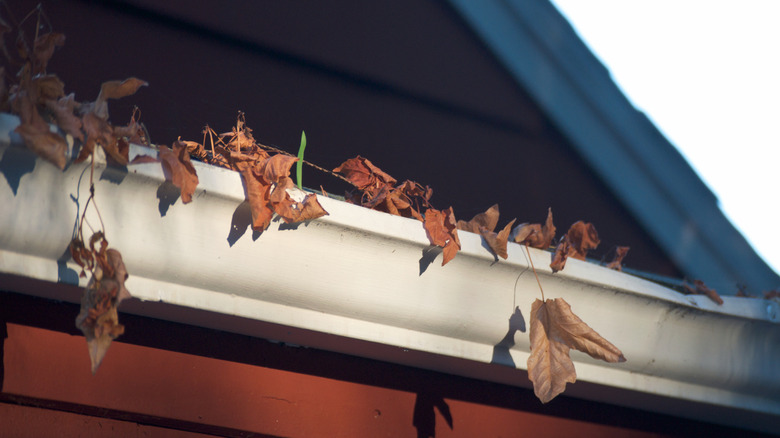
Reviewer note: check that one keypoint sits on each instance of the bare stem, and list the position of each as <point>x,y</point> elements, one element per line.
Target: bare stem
<point>531,260</point>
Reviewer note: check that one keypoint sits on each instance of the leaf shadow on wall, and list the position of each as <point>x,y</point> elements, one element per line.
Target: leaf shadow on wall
<point>167,193</point>
<point>241,221</point>
<point>114,174</point>
<point>14,164</point>
<point>64,273</point>
<point>424,418</point>
<point>501,349</point>
<point>428,256</point>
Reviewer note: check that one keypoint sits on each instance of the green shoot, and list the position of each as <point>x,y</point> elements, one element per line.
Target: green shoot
<point>299,164</point>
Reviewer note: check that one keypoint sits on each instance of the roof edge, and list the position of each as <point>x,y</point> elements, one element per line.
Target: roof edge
<point>545,55</point>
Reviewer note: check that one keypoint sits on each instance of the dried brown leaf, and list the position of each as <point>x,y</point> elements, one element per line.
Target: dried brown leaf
<point>583,237</point>
<point>486,220</point>
<point>98,318</point>
<point>536,235</point>
<point>144,159</point>
<point>554,331</point>
<point>46,144</point>
<point>43,49</point>
<point>179,170</point>
<point>115,90</point>
<point>363,174</point>
<point>277,167</point>
<point>617,262</point>
<point>699,288</point>
<point>45,87</point>
<point>258,194</point>
<point>580,238</point>
<point>36,133</point>
<point>291,210</point>
<point>63,110</point>
<point>441,228</point>
<point>497,241</point>
<point>100,132</point>
<point>561,255</point>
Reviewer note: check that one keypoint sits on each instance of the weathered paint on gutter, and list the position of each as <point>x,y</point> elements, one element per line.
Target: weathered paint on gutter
<point>357,281</point>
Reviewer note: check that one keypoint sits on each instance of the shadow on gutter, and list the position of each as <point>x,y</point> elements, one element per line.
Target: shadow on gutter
<point>501,354</point>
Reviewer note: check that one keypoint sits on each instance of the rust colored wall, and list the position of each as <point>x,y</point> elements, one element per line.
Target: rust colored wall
<point>174,377</point>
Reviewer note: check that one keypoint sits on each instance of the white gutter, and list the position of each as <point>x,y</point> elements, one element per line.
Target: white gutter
<point>352,282</point>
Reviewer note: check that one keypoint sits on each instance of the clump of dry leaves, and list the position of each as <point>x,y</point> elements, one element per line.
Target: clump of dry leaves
<point>266,177</point>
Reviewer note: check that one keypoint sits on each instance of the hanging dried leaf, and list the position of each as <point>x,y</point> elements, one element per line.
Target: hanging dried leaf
<point>98,318</point>
<point>699,288</point>
<point>497,241</point>
<point>441,228</point>
<point>43,49</point>
<point>617,262</point>
<point>536,235</point>
<point>554,331</point>
<point>179,170</point>
<point>487,221</point>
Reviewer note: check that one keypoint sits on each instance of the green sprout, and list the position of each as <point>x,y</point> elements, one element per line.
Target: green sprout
<point>299,165</point>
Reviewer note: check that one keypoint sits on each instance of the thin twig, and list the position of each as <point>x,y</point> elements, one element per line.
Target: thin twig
<point>530,259</point>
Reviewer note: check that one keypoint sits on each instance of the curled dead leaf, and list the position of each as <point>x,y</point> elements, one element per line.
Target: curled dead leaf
<point>363,174</point>
<point>179,170</point>
<point>536,235</point>
<point>486,220</point>
<point>554,331</point>
<point>99,132</point>
<point>699,288</point>
<point>63,110</point>
<point>497,241</point>
<point>277,167</point>
<point>581,238</point>
<point>98,318</point>
<point>291,210</point>
<point>36,133</point>
<point>46,144</point>
<point>115,90</point>
<point>45,87</point>
<point>617,262</point>
<point>43,49</point>
<point>258,194</point>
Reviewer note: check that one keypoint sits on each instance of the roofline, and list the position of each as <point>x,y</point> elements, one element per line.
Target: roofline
<point>543,53</point>
<point>358,282</point>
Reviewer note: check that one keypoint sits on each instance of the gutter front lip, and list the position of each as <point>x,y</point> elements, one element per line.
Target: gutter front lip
<point>357,276</point>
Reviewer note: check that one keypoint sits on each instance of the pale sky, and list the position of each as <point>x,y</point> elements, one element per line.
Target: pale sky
<point>707,73</point>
